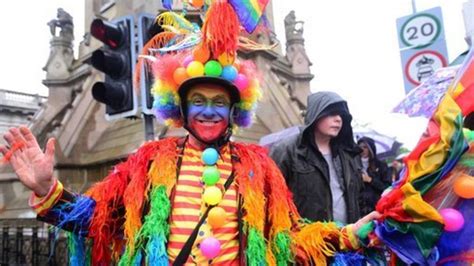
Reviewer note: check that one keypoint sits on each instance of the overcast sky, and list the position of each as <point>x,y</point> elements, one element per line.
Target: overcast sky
<point>353,46</point>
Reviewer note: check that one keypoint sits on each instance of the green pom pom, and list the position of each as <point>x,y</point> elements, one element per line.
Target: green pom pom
<point>211,175</point>
<point>213,69</point>
<point>365,230</point>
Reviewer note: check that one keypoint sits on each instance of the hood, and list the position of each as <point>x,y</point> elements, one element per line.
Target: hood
<point>371,143</point>
<point>321,104</point>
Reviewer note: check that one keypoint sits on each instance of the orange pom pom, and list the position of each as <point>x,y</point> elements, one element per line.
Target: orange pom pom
<point>197,3</point>
<point>216,217</point>
<point>180,75</point>
<point>464,186</point>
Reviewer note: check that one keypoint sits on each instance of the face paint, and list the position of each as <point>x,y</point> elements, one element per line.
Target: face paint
<point>208,111</point>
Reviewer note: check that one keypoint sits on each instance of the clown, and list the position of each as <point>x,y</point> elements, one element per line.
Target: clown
<point>144,202</point>
<point>198,200</point>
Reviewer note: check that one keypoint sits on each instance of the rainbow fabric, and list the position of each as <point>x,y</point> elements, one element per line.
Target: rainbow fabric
<point>411,227</point>
<point>249,12</point>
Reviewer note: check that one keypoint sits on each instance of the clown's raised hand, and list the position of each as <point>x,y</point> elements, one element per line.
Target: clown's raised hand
<point>33,166</point>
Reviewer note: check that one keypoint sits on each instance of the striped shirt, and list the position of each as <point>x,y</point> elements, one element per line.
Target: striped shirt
<point>188,207</point>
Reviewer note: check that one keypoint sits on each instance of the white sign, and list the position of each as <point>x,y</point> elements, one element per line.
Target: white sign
<point>422,65</point>
<point>420,30</point>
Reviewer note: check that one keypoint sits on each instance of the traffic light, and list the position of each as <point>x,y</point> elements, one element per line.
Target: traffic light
<point>116,59</point>
<point>147,28</point>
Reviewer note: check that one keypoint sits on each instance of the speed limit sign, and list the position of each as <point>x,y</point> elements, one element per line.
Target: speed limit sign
<point>420,30</point>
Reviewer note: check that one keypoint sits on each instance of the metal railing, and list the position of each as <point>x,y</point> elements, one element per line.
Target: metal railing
<point>29,242</point>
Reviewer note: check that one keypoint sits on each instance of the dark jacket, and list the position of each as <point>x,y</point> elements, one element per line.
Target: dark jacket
<point>380,175</point>
<point>307,172</point>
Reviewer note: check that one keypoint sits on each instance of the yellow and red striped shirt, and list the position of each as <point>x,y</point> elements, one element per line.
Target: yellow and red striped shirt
<point>188,207</point>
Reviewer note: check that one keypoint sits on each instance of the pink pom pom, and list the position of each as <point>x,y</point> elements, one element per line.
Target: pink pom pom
<point>210,247</point>
<point>241,82</point>
<point>453,219</point>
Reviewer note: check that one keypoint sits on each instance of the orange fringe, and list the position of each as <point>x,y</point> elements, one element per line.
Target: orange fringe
<point>221,29</point>
<point>251,179</point>
<point>314,241</point>
<point>281,204</point>
<point>270,256</point>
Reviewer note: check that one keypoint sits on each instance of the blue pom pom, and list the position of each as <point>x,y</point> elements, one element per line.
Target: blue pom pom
<point>210,156</point>
<point>229,73</point>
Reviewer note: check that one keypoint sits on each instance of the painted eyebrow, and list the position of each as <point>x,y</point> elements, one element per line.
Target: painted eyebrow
<point>217,97</point>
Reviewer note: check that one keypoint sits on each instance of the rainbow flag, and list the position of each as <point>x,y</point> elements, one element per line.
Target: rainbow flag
<point>411,227</point>
<point>249,12</point>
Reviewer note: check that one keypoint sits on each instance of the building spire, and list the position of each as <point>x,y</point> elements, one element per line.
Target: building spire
<point>61,54</point>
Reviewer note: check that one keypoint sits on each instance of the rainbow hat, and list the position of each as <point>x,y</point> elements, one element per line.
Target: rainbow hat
<point>184,55</point>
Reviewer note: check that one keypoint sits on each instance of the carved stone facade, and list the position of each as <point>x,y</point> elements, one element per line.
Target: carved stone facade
<point>88,145</point>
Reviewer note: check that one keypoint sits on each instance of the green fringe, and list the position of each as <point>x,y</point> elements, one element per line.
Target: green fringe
<point>79,249</point>
<point>468,134</point>
<point>281,249</point>
<point>467,159</point>
<point>256,254</point>
<point>156,223</point>
<point>126,258</point>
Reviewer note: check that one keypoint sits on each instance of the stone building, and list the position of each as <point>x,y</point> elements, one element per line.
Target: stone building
<point>16,109</point>
<point>88,145</point>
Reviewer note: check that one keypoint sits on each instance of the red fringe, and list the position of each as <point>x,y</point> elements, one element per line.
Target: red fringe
<point>124,186</point>
<point>221,29</point>
<point>282,211</point>
<point>250,178</point>
<point>105,224</point>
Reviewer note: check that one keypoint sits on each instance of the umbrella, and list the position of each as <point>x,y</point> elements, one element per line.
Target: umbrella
<point>423,100</point>
<point>270,139</point>
<point>386,146</point>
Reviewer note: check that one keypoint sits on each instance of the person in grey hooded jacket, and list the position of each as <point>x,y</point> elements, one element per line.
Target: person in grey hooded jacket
<point>322,164</point>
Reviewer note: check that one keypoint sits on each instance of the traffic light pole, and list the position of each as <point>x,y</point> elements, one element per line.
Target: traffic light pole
<point>148,124</point>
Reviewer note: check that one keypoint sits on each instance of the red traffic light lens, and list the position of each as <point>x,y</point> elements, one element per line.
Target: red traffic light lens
<point>106,32</point>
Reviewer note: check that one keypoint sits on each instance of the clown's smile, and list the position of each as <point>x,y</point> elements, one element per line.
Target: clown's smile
<point>208,122</point>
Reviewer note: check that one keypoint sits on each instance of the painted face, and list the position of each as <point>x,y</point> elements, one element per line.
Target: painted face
<point>329,126</point>
<point>208,111</point>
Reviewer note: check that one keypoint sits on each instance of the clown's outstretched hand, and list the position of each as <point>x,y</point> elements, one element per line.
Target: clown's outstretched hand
<point>33,166</point>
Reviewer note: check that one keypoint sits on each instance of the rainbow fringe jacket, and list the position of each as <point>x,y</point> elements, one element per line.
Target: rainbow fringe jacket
<point>124,218</point>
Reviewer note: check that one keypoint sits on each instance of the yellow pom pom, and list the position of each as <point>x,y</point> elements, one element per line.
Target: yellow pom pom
<point>212,195</point>
<point>195,69</point>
